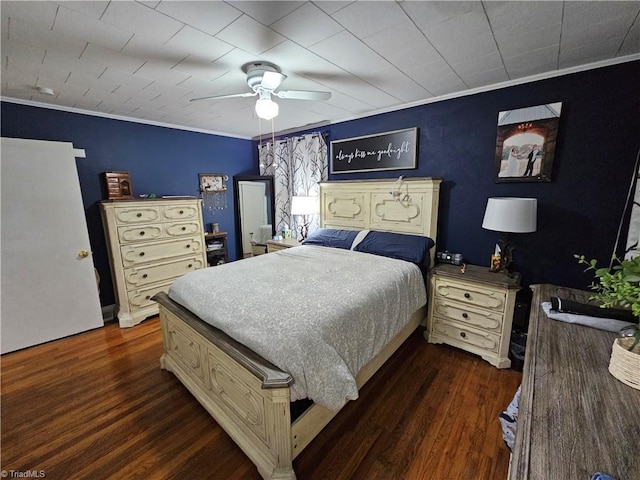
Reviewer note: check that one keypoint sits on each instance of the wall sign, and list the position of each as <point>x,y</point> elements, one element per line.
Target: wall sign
<point>395,150</point>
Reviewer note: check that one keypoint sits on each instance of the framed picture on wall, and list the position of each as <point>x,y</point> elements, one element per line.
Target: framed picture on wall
<point>212,182</point>
<point>526,143</point>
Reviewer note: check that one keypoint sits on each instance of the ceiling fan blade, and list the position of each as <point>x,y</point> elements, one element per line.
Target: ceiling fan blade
<point>303,95</point>
<point>217,97</point>
<point>272,80</point>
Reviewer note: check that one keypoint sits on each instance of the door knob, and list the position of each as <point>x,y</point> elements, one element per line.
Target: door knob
<point>83,254</point>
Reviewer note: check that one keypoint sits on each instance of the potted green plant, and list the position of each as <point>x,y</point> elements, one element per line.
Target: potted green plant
<point>618,286</point>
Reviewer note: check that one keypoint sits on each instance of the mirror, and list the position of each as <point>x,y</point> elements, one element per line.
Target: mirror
<point>255,213</point>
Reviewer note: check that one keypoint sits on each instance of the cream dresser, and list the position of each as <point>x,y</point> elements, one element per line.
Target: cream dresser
<point>472,310</point>
<point>151,243</point>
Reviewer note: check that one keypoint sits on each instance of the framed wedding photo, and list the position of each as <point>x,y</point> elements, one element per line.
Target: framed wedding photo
<point>526,143</point>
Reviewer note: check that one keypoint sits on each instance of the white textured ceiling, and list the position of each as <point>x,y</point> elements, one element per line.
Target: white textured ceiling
<point>145,60</point>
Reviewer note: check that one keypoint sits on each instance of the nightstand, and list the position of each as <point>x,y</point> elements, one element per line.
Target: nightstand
<point>472,310</point>
<point>217,251</point>
<point>275,245</point>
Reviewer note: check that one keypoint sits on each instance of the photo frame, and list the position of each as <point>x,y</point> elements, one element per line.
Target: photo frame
<point>395,150</point>
<point>526,143</point>
<point>212,182</point>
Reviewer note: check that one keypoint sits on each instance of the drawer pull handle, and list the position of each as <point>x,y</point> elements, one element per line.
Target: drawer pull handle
<point>142,232</point>
<point>463,335</point>
<point>142,254</point>
<point>184,228</point>
<point>138,214</point>
<point>465,315</point>
<point>144,275</point>
<point>467,295</point>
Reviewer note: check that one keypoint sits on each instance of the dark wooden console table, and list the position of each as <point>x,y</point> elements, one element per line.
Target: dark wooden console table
<point>575,418</point>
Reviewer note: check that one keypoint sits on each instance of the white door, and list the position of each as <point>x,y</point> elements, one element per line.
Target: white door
<point>254,211</point>
<point>48,286</point>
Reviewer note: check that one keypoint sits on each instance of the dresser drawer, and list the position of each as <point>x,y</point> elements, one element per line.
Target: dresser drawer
<point>136,277</point>
<point>460,334</point>
<point>141,298</point>
<point>180,212</point>
<point>181,229</point>
<point>137,214</point>
<point>484,319</point>
<point>141,253</point>
<point>140,233</point>
<point>470,294</point>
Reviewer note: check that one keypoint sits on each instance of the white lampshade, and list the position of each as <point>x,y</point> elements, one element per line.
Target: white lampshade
<point>304,205</point>
<point>266,108</point>
<point>511,215</point>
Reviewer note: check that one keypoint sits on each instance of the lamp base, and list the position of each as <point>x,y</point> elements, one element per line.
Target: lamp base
<point>502,263</point>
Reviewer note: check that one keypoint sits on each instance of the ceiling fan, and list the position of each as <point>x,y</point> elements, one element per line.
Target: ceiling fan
<point>264,78</point>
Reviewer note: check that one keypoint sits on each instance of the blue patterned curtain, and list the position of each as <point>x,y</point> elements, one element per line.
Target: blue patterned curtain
<point>297,164</point>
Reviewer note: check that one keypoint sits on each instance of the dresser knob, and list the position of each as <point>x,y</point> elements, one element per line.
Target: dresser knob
<point>144,275</point>
<point>190,265</point>
<point>464,315</point>
<point>181,212</point>
<point>142,254</point>
<point>188,246</point>
<point>142,232</point>
<point>138,214</point>
<point>463,335</point>
<point>148,297</point>
<point>184,228</point>
<point>467,295</point>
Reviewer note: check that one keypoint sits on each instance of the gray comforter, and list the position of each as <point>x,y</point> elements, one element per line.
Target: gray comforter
<point>318,313</point>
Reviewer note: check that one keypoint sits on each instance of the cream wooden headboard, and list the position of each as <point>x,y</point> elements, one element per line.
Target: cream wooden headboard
<point>381,205</point>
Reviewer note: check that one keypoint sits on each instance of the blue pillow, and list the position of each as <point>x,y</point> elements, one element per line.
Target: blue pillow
<point>411,248</point>
<point>329,237</point>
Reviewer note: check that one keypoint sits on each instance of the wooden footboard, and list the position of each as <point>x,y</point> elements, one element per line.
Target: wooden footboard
<point>248,396</point>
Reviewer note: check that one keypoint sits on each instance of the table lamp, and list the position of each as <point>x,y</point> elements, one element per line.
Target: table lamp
<point>303,207</point>
<point>508,215</point>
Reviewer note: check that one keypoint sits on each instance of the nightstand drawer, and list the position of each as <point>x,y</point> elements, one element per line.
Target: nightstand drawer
<point>460,334</point>
<point>485,319</point>
<point>470,294</point>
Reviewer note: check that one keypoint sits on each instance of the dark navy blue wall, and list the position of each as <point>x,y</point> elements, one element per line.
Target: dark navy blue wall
<point>161,160</point>
<point>578,212</point>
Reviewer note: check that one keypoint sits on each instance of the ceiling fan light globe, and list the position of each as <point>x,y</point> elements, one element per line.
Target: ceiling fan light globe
<point>266,108</point>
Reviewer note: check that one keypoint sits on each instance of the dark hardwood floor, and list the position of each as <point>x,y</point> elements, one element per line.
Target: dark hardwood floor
<point>97,406</point>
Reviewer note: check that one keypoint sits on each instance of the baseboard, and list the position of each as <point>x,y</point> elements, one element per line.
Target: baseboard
<point>108,313</point>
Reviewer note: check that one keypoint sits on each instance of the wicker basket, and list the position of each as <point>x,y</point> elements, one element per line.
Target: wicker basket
<point>625,364</point>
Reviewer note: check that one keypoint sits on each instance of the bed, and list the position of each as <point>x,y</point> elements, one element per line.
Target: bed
<point>249,396</point>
